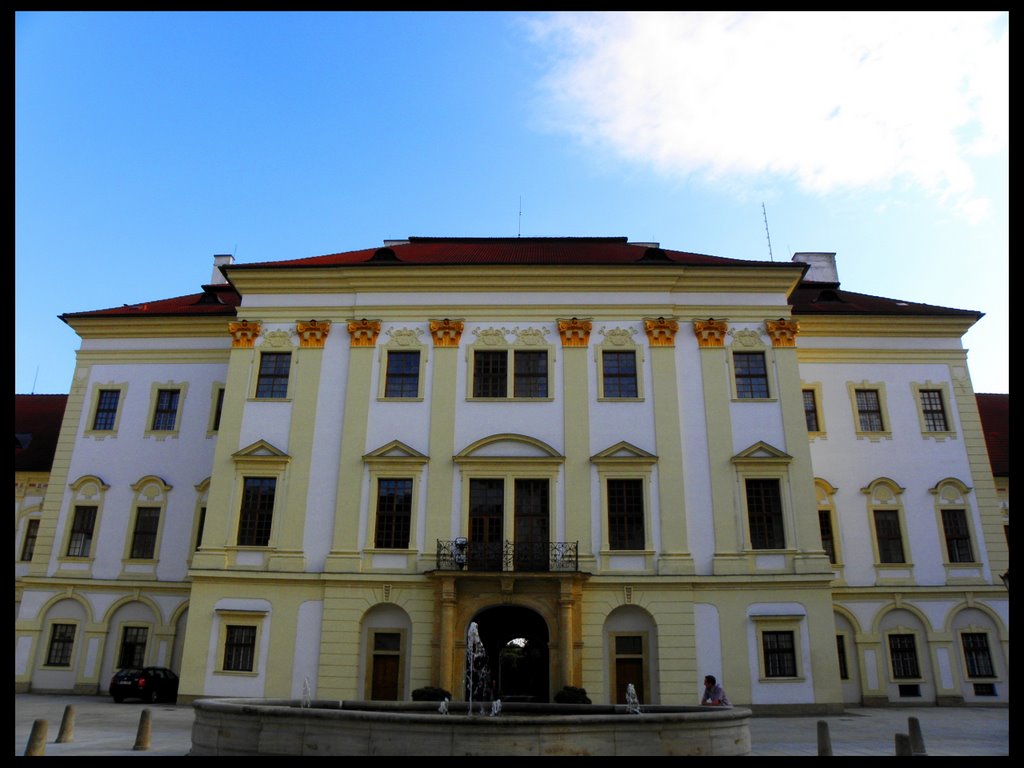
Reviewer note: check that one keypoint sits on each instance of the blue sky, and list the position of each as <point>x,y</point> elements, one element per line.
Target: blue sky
<point>148,142</point>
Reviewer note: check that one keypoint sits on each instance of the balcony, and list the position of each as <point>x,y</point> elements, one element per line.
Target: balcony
<point>534,556</point>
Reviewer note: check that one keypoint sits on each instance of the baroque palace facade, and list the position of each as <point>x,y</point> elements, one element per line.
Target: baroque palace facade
<point>624,464</point>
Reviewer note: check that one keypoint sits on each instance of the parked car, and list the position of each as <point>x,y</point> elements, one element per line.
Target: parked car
<point>148,684</point>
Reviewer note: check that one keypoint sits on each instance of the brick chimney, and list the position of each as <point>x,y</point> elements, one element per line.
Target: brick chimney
<point>823,266</point>
<point>222,260</point>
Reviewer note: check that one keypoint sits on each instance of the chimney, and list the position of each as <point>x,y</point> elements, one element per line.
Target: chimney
<point>823,267</point>
<point>220,260</point>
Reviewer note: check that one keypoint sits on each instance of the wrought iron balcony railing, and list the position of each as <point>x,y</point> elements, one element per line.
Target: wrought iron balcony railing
<point>536,556</point>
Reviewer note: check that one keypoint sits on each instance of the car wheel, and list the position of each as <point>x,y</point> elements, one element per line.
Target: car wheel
<point>153,697</point>
<point>118,699</point>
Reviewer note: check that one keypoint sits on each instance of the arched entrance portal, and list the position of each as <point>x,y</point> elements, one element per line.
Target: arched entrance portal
<point>515,640</point>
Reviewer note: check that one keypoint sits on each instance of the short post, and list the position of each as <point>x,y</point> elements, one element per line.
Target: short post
<point>37,739</point>
<point>145,727</point>
<point>66,733</point>
<point>903,745</point>
<point>916,739</point>
<point>824,740</point>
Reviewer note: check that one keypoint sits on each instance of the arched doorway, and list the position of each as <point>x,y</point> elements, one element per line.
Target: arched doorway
<point>515,640</point>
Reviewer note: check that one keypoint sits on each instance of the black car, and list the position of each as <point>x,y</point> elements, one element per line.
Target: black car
<point>148,684</point>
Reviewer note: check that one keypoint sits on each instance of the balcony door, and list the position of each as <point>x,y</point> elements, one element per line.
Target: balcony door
<point>486,523</point>
<point>531,524</point>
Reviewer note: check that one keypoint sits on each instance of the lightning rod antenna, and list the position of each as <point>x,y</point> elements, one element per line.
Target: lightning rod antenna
<point>767,233</point>
<point>519,232</point>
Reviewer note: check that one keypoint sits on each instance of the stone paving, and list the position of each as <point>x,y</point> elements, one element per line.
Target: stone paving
<point>102,727</point>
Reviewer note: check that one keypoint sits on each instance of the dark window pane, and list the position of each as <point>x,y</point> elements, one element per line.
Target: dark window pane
<point>810,410</point>
<point>827,541</point>
<point>619,374</point>
<point>403,375</point>
<point>764,512</point>
<point>239,648</point>
<point>28,548</point>
<point>80,543</point>
<point>626,514</point>
<point>934,413</point>
<point>890,540</point>
<point>147,522</point>
<point>779,654</point>
<point>903,652</point>
<point>166,412</point>
<point>976,654</point>
<point>751,375</point>
<point>218,409</point>
<point>869,410</point>
<point>133,648</point>
<point>62,639</point>
<point>394,513</point>
<point>958,536</point>
<point>531,374</point>
<point>257,515</point>
<point>106,409</point>
<point>490,374</point>
<point>273,376</point>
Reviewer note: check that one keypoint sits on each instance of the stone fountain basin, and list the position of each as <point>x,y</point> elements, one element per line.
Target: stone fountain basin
<point>285,727</point>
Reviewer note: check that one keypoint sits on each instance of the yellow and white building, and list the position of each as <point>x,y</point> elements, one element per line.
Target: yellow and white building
<point>625,464</point>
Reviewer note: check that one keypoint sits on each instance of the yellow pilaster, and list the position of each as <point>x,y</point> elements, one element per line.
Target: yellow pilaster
<point>576,425</point>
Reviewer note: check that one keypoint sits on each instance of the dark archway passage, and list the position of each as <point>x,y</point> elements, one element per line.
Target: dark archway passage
<point>516,642</point>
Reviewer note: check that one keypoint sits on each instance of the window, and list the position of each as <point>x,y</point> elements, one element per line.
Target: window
<point>147,522</point>
<point>976,655</point>
<point>218,409</point>
<point>888,536</point>
<point>751,375</point>
<point>165,413</point>
<point>394,513</point>
<point>403,375</point>
<point>272,381</point>
<point>869,411</point>
<point>257,514</point>
<point>827,540</point>
<point>525,373</point>
<point>958,536</point>
<point>629,667</point>
<point>490,374</point>
<point>106,410</point>
<point>133,647</point>
<point>28,546</point>
<point>779,654</point>
<point>62,640</point>
<point>385,676</point>
<point>626,513</point>
<point>764,513</point>
<point>80,541</point>
<point>933,411</point>
<point>239,648</point>
<point>531,374</point>
<point>199,529</point>
<point>903,655</point>
<point>844,672</point>
<point>811,410</point>
<point>618,370</point>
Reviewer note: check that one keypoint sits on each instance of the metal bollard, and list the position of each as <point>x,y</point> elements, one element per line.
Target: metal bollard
<point>903,745</point>
<point>916,739</point>
<point>67,726</point>
<point>145,728</point>
<point>37,739</point>
<point>824,740</point>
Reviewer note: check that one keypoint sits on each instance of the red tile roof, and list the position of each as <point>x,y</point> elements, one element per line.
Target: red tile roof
<point>994,410</point>
<point>827,299</point>
<point>214,300</point>
<point>37,420</point>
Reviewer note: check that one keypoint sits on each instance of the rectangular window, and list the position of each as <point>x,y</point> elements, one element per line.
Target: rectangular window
<point>147,522</point>
<point>618,374</point>
<point>976,654</point>
<point>217,409</point>
<point>811,410</point>
<point>887,533</point>
<point>933,410</point>
<point>629,667</point>
<point>272,381</point>
<point>626,514</point>
<point>531,374</point>
<point>958,536</point>
<point>764,512</point>
<point>903,652</point>
<point>486,523</point>
<point>106,410</point>
<point>62,640</point>
<point>490,374</point>
<point>80,543</point>
<point>751,375</point>
<point>869,410</point>
<point>257,514</point>
<point>133,648</point>
<point>779,654</point>
<point>239,648</point>
<point>28,547</point>
<point>844,672</point>
<point>166,412</point>
<point>403,375</point>
<point>394,513</point>
<point>827,541</point>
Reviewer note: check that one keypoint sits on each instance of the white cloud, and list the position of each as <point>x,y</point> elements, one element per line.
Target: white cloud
<point>830,100</point>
